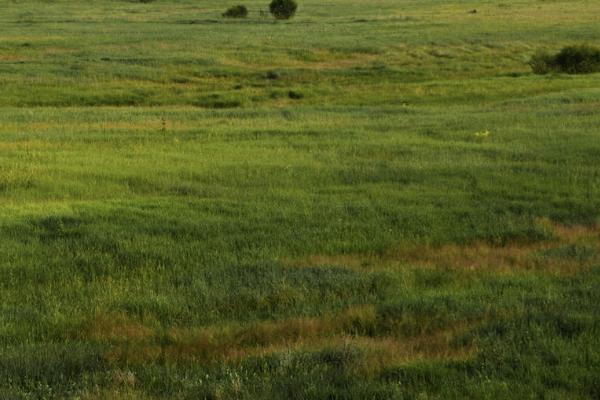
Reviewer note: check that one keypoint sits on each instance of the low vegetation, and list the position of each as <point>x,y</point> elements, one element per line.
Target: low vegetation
<point>378,200</point>
<point>239,11</point>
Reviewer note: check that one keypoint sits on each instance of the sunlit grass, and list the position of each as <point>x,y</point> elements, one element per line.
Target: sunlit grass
<point>375,199</point>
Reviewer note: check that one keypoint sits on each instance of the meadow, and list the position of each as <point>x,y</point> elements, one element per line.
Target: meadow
<point>376,199</point>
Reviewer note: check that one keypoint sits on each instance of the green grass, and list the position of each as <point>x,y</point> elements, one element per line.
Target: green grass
<point>373,200</point>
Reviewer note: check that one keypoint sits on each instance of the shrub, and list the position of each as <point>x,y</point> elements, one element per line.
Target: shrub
<point>582,59</point>
<point>294,95</point>
<point>239,11</point>
<point>272,75</point>
<point>579,59</point>
<point>542,63</point>
<point>283,9</point>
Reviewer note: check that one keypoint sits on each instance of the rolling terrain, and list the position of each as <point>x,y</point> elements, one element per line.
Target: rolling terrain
<point>374,200</point>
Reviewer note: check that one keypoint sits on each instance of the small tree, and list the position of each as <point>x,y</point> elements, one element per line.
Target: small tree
<point>236,12</point>
<point>283,9</point>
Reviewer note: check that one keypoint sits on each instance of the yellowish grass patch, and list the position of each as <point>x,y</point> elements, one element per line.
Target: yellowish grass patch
<point>132,342</point>
<point>12,58</point>
<point>476,256</point>
<point>115,328</point>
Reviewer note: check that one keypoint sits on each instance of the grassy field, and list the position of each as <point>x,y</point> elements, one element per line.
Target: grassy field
<point>374,200</point>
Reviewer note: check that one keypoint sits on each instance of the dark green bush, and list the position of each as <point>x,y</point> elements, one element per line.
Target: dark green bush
<point>283,9</point>
<point>295,95</point>
<point>273,75</point>
<point>582,59</point>
<point>579,59</point>
<point>238,11</point>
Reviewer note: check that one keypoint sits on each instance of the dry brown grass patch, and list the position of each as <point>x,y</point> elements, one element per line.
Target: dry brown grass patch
<point>12,58</point>
<point>379,352</point>
<point>476,256</point>
<point>577,233</point>
<point>131,342</point>
<point>263,337</point>
<point>25,145</point>
<point>115,328</point>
